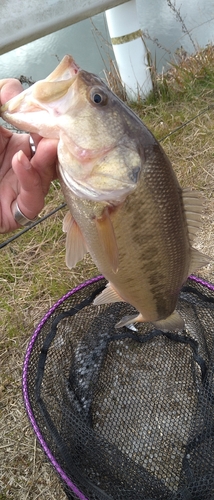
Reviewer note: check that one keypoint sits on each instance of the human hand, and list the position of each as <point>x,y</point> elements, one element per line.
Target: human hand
<point>22,178</point>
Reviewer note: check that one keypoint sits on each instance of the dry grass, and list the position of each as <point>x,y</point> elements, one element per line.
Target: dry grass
<point>33,272</point>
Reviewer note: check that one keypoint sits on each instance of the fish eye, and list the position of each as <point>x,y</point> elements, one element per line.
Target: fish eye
<point>98,97</point>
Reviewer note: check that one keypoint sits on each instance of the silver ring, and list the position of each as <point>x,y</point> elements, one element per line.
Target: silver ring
<point>32,146</point>
<point>19,216</point>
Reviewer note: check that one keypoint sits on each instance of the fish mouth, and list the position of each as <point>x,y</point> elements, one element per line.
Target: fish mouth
<point>43,101</point>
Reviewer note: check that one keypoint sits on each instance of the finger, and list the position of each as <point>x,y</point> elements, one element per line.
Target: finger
<point>9,87</point>
<point>44,162</point>
<point>10,143</point>
<point>7,221</point>
<point>31,197</point>
<point>5,136</point>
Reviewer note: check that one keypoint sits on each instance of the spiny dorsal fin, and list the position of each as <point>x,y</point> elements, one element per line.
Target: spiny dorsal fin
<point>108,296</point>
<point>193,206</point>
<point>75,243</point>
<point>107,239</point>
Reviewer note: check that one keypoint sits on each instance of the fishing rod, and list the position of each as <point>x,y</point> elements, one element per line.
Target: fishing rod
<point>20,233</point>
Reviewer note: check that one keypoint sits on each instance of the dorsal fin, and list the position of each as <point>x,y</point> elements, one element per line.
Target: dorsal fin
<point>193,206</point>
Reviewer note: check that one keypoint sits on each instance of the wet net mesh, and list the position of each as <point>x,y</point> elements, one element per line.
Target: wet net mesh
<point>125,415</point>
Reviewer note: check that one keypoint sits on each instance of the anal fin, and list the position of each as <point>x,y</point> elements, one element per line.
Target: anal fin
<point>75,243</point>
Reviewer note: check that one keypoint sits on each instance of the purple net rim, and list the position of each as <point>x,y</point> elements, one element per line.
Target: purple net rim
<point>27,404</point>
<point>202,282</point>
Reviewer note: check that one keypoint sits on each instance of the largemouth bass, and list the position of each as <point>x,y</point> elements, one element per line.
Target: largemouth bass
<point>126,206</point>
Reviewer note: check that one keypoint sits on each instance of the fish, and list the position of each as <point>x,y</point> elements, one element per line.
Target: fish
<point>126,207</point>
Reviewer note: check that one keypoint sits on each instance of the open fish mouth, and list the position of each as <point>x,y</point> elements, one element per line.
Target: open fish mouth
<point>42,102</point>
<point>58,107</point>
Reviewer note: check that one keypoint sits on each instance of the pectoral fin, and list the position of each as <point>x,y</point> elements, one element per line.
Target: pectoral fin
<point>75,243</point>
<point>107,239</point>
<point>108,296</point>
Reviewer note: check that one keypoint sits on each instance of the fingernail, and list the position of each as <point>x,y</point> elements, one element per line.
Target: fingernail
<point>22,158</point>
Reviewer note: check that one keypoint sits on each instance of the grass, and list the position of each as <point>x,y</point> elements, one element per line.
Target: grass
<point>33,274</point>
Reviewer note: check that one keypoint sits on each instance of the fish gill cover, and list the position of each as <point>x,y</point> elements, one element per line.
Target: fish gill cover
<point>124,415</point>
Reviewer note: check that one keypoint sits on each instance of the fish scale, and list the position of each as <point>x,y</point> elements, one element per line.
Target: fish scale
<point>126,206</point>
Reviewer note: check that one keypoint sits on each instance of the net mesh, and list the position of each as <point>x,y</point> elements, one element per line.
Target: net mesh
<point>125,415</point>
